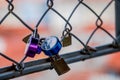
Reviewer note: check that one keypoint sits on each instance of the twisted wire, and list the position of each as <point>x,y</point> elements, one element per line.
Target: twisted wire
<point>67,27</point>
<point>99,26</point>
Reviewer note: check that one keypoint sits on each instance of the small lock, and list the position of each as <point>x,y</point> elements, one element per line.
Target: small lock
<point>51,46</point>
<point>60,66</point>
<point>67,41</point>
<point>32,47</point>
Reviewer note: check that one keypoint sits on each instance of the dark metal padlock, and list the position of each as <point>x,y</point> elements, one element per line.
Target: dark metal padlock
<point>60,65</point>
<point>67,41</point>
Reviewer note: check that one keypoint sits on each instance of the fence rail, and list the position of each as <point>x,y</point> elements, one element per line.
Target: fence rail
<point>44,64</point>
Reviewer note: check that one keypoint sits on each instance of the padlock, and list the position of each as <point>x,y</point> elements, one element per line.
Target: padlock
<point>67,41</point>
<point>51,46</point>
<point>59,65</point>
<point>32,47</point>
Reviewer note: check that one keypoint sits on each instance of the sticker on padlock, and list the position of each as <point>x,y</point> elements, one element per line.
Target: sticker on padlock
<point>59,65</point>
<point>67,41</point>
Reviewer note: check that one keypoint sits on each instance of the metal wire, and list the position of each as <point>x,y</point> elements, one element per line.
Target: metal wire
<point>10,11</point>
<point>67,28</point>
<point>8,58</point>
<point>99,26</point>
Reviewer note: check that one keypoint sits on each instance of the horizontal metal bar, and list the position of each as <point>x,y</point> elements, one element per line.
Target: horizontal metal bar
<point>44,64</point>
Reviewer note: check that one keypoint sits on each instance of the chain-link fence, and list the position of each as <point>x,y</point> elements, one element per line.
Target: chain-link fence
<point>21,68</point>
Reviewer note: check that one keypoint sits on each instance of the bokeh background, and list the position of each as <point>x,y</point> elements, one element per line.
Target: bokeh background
<point>83,21</point>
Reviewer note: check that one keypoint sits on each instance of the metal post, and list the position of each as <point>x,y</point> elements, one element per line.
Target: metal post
<point>117,16</point>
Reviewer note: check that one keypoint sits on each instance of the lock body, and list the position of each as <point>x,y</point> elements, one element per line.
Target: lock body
<point>32,47</point>
<point>59,65</point>
<point>67,41</point>
<point>51,46</point>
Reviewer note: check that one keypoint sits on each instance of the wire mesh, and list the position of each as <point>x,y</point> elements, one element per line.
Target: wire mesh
<point>87,50</point>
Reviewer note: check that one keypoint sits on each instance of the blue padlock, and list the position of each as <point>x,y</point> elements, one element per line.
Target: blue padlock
<point>51,46</point>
